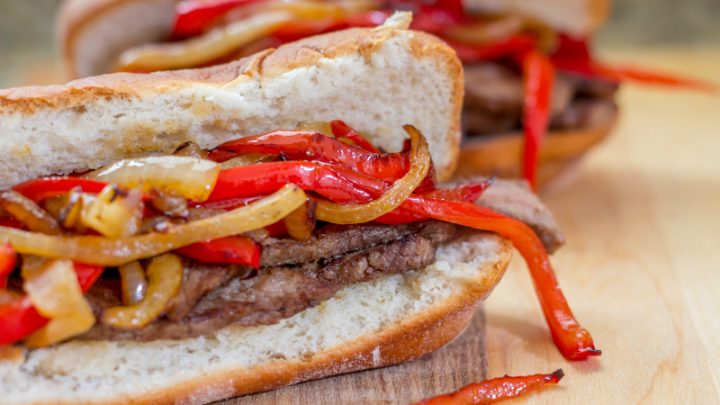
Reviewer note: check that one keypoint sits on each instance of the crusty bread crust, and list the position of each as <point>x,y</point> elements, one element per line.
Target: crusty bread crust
<point>575,17</point>
<point>417,333</point>
<point>81,100</point>
<point>501,155</point>
<point>76,16</point>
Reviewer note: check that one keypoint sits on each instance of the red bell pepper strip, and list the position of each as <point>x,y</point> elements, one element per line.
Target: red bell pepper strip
<point>638,75</point>
<point>332,182</point>
<point>342,130</point>
<point>19,318</point>
<point>539,76</point>
<point>310,145</point>
<point>574,56</point>
<point>469,192</point>
<point>512,47</point>
<point>8,260</point>
<point>230,250</point>
<point>193,17</point>
<point>42,188</point>
<point>573,341</point>
<point>87,274</point>
<point>315,146</point>
<point>497,389</point>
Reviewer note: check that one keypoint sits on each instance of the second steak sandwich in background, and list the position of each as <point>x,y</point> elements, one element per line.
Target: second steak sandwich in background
<point>215,232</point>
<point>511,51</point>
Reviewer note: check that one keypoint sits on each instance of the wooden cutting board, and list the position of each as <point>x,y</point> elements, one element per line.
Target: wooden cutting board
<point>641,270</point>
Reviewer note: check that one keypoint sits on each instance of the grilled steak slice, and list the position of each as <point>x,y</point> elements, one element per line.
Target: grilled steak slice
<point>276,293</point>
<point>260,300</point>
<point>514,199</point>
<point>494,100</point>
<point>200,279</point>
<point>330,241</point>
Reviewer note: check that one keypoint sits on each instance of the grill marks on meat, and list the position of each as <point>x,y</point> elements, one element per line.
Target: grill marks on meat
<point>330,241</point>
<point>266,299</point>
<point>494,100</point>
<point>200,279</point>
<point>213,297</point>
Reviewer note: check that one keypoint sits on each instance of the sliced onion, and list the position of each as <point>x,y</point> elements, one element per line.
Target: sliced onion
<point>244,160</point>
<point>133,283</point>
<point>301,222</point>
<point>54,291</point>
<point>323,127</point>
<point>190,149</point>
<point>165,275</point>
<point>391,199</point>
<point>323,9</point>
<point>182,176</point>
<point>114,213</point>
<point>487,31</point>
<point>203,49</point>
<point>115,252</point>
<point>30,214</point>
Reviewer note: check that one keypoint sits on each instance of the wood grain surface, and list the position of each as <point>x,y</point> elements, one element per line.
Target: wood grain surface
<point>641,270</point>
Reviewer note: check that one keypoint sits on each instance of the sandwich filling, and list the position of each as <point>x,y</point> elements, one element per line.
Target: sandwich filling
<point>521,74</point>
<point>247,234</point>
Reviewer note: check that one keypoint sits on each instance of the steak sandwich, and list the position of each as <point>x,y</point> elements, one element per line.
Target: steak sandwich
<point>193,235</point>
<point>527,63</point>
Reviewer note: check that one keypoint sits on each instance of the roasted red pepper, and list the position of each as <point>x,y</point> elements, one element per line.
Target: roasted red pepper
<point>193,17</point>
<point>511,47</point>
<point>469,192</point>
<point>8,260</point>
<point>497,389</point>
<point>230,250</point>
<point>46,187</point>
<point>539,77</point>
<point>573,341</point>
<point>309,145</point>
<point>341,130</point>
<point>335,183</point>
<point>574,56</point>
<point>19,319</point>
<point>87,274</point>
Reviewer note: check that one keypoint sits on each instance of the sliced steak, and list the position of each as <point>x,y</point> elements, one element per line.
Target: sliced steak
<point>514,198</point>
<point>409,253</point>
<point>276,293</point>
<point>330,241</point>
<point>586,113</point>
<point>494,100</point>
<point>260,300</point>
<point>200,279</point>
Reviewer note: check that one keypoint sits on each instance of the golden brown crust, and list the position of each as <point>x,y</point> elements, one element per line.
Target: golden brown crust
<point>501,155</point>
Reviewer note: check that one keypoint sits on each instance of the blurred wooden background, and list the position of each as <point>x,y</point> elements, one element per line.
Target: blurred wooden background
<point>28,51</point>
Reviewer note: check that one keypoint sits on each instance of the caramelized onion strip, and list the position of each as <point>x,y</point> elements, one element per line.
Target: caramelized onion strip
<point>392,198</point>
<point>115,252</point>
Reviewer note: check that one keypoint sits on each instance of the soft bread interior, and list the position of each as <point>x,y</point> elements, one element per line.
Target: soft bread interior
<point>376,80</point>
<point>575,17</point>
<point>93,33</point>
<point>362,318</point>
